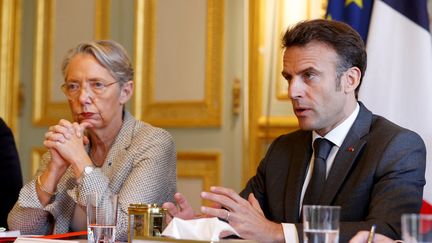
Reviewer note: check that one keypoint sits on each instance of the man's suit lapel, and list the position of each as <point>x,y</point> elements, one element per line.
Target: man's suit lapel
<point>302,152</point>
<point>348,153</point>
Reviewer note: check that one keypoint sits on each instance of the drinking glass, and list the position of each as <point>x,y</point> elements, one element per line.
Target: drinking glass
<point>101,218</point>
<point>321,224</point>
<point>416,228</point>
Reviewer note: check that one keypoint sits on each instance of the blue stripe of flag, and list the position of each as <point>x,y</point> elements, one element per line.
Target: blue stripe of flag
<point>415,10</point>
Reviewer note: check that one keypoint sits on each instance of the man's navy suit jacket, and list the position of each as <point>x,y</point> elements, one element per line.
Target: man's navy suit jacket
<point>377,175</point>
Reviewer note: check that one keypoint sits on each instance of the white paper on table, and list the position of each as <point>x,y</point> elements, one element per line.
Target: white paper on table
<point>41,240</point>
<point>13,233</point>
<point>207,229</point>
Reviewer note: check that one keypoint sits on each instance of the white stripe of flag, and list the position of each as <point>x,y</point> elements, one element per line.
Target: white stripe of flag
<point>398,81</point>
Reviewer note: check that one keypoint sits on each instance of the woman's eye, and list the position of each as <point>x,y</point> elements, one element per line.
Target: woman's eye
<point>72,86</point>
<point>98,85</point>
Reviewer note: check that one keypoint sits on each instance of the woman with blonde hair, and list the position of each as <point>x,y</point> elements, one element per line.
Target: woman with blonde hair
<point>103,150</point>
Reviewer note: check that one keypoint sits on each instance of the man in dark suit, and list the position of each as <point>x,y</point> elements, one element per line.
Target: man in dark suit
<point>10,172</point>
<point>374,169</point>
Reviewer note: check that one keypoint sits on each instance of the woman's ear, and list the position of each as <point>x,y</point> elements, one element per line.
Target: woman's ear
<point>126,92</point>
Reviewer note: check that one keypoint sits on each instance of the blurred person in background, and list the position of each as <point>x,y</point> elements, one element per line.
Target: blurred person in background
<point>10,172</point>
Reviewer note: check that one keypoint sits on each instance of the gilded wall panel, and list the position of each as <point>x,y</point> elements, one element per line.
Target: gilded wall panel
<point>270,113</point>
<point>179,77</point>
<point>198,170</point>
<point>10,26</point>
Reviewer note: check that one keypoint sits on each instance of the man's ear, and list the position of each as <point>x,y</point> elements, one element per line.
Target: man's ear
<point>126,92</point>
<point>352,79</point>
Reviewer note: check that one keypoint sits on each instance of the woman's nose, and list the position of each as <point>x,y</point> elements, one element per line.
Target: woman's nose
<point>85,94</point>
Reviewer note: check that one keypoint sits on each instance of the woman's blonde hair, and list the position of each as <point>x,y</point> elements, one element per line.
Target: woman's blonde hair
<point>109,54</point>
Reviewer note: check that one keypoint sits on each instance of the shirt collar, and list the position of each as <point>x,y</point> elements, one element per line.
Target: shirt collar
<point>338,134</point>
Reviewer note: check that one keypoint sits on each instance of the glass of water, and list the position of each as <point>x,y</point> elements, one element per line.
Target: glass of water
<point>416,228</point>
<point>101,218</point>
<point>321,224</point>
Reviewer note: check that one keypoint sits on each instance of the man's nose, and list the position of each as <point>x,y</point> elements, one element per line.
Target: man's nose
<point>295,88</point>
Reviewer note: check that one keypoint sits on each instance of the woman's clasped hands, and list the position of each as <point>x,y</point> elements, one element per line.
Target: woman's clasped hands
<point>66,142</point>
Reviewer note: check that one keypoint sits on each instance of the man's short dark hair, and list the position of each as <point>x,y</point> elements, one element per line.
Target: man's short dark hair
<point>341,37</point>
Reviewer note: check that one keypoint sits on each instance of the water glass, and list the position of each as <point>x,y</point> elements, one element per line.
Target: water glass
<point>321,224</point>
<point>101,218</point>
<point>416,228</point>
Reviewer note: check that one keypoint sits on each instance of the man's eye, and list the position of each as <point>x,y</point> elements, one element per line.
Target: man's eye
<point>309,75</point>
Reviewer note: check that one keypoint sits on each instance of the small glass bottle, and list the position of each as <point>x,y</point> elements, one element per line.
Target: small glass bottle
<point>145,220</point>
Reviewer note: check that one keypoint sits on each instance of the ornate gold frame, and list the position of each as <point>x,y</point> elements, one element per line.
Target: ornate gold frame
<point>262,129</point>
<point>45,110</point>
<point>10,19</point>
<point>205,113</point>
<point>256,59</point>
<point>281,94</point>
<point>201,165</point>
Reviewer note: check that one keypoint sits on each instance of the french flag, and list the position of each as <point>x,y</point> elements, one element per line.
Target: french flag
<point>398,80</point>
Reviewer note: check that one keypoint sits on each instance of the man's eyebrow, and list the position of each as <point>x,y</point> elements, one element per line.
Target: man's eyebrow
<point>309,69</point>
<point>285,75</point>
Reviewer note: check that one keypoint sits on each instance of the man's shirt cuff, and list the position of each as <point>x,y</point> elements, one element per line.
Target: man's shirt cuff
<point>290,233</point>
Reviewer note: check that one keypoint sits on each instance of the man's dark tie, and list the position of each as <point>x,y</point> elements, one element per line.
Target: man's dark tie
<point>322,149</point>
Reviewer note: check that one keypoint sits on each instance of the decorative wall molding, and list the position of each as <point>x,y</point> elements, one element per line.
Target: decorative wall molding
<point>269,128</point>
<point>264,128</point>
<point>204,166</point>
<point>183,113</point>
<point>273,127</point>
<point>256,59</point>
<point>10,28</point>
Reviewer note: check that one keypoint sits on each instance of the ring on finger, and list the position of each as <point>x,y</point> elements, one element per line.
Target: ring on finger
<point>228,216</point>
